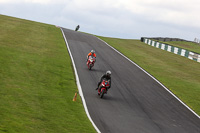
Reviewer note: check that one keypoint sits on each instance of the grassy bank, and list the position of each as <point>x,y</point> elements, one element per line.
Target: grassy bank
<point>37,83</point>
<point>179,74</point>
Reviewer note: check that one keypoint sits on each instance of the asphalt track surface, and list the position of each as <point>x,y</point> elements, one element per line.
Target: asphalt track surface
<point>135,103</point>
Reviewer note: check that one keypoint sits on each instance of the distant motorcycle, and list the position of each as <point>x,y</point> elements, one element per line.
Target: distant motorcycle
<point>103,87</point>
<point>90,62</point>
<point>77,28</point>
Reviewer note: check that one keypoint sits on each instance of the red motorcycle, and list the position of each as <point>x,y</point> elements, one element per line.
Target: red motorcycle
<point>103,87</point>
<point>90,62</point>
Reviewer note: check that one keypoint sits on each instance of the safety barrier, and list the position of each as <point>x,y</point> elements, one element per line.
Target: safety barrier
<point>191,55</point>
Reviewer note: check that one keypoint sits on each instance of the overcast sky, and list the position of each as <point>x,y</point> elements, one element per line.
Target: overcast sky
<point>128,19</point>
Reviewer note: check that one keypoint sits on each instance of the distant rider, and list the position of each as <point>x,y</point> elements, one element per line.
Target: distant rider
<point>77,28</point>
<point>106,76</point>
<point>92,53</point>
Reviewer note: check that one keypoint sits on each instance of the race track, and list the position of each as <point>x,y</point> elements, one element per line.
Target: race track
<point>136,103</point>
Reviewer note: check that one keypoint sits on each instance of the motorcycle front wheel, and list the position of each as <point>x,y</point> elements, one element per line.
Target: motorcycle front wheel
<point>102,93</point>
<point>90,67</point>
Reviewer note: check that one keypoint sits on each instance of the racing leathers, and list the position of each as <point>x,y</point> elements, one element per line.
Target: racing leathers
<point>105,76</point>
<point>91,54</point>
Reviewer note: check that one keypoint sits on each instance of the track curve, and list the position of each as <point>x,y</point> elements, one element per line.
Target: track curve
<point>136,103</point>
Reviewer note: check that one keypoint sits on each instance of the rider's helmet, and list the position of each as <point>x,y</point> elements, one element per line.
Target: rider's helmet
<point>92,51</point>
<point>108,73</point>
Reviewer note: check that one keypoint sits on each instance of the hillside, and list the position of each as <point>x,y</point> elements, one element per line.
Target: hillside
<point>37,82</point>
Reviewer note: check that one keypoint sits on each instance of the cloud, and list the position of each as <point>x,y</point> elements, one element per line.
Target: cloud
<point>116,18</point>
<point>32,1</point>
<point>180,12</point>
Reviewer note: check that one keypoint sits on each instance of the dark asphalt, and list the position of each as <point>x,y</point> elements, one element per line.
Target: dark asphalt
<point>135,103</point>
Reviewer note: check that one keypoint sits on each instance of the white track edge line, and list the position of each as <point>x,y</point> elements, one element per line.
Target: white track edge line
<point>152,77</point>
<point>79,85</point>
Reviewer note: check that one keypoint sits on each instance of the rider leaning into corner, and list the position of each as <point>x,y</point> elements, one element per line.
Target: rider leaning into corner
<point>92,53</point>
<point>106,76</point>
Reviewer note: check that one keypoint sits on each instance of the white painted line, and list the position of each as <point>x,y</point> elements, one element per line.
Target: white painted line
<point>79,85</point>
<point>153,78</point>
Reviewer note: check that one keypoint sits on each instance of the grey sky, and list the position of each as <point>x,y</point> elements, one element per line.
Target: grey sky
<point>130,19</point>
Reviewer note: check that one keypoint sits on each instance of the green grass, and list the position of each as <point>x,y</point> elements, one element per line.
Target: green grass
<point>179,74</point>
<point>190,46</point>
<point>37,83</point>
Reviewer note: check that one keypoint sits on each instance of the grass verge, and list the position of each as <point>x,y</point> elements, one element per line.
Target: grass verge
<point>37,83</point>
<point>177,73</point>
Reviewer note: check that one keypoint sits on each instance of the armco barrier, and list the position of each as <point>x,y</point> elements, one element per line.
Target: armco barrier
<point>175,50</point>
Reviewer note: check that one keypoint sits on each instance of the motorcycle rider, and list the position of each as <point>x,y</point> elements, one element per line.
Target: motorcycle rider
<point>106,76</point>
<point>77,28</point>
<point>92,53</point>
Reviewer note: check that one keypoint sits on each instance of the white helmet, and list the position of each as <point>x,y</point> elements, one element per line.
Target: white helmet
<point>108,73</point>
<point>92,51</point>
